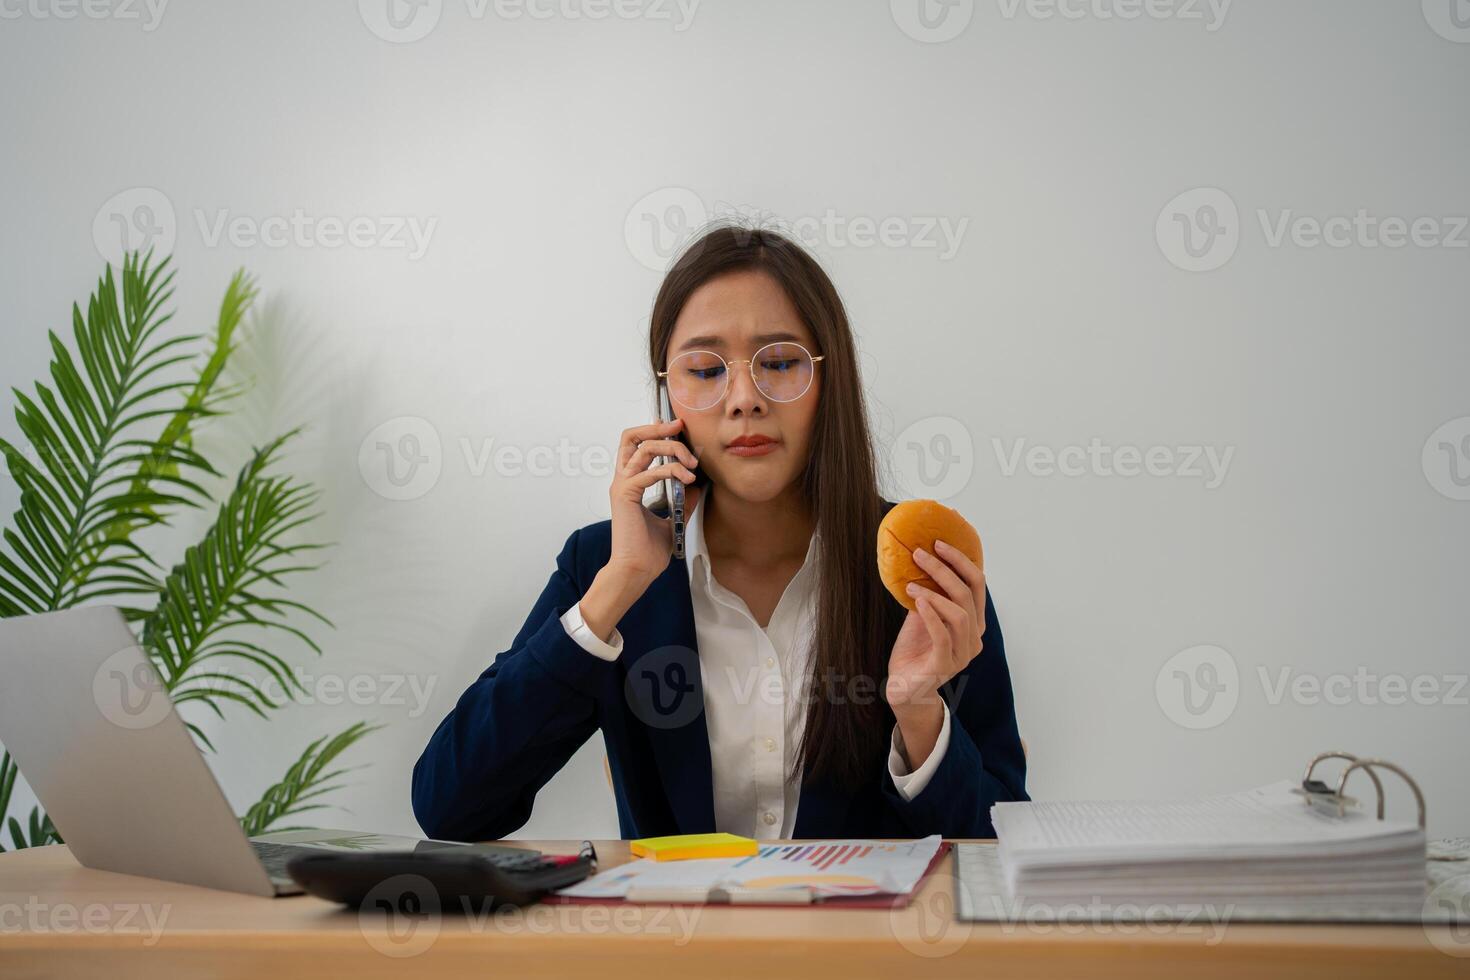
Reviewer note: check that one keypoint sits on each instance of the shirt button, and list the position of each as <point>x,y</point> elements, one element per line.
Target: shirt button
<point>770,745</point>
<point>769,818</point>
<point>770,661</point>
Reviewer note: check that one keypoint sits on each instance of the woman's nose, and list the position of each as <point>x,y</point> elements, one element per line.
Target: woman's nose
<point>743,394</point>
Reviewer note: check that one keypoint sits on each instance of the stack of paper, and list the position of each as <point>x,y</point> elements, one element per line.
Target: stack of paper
<point>1262,846</point>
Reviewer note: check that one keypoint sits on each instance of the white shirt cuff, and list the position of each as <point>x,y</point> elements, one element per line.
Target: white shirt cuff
<point>911,784</point>
<point>578,630</point>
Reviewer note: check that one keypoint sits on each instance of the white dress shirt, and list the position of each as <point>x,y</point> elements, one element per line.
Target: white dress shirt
<point>747,672</point>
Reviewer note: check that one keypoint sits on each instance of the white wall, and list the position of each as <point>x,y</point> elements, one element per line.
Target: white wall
<point>1334,547</point>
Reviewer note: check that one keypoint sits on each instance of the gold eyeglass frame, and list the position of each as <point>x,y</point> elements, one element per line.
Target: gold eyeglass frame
<point>750,362</point>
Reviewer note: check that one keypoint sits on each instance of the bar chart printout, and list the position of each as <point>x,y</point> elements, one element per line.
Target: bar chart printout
<point>829,868</point>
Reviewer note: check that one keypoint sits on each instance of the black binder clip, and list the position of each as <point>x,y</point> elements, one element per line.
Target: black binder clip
<point>1318,793</point>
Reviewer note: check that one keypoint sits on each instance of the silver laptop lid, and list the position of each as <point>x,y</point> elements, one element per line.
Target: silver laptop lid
<point>88,721</point>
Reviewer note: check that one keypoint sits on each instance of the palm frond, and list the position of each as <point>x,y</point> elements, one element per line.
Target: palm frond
<point>235,581</point>
<point>76,486</point>
<point>308,779</point>
<point>95,472</point>
<point>42,830</point>
<point>176,441</point>
<point>88,481</point>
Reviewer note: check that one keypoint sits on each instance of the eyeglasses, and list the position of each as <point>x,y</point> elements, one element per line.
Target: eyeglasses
<point>699,379</point>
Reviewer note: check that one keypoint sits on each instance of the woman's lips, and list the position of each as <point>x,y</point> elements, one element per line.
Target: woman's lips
<point>760,449</point>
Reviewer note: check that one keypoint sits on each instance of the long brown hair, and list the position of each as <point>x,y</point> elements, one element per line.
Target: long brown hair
<point>847,719</point>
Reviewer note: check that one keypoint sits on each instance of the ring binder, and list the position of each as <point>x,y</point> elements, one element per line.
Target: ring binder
<point>1257,853</point>
<point>1319,793</point>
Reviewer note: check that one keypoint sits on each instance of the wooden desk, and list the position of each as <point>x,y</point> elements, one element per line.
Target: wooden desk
<point>58,919</point>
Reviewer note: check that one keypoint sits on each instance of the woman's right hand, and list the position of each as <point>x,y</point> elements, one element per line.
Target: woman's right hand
<point>642,542</point>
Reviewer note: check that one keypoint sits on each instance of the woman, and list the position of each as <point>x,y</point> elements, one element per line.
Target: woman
<point>766,684</point>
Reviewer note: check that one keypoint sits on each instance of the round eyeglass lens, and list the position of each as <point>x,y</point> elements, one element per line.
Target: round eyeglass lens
<point>698,378</point>
<point>782,371</point>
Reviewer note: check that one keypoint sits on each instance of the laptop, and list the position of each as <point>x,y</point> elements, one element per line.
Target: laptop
<point>86,717</point>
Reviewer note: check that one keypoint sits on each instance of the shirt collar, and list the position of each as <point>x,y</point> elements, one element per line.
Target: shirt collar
<point>696,554</point>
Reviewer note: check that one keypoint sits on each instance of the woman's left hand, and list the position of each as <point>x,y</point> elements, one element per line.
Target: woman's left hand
<point>941,636</point>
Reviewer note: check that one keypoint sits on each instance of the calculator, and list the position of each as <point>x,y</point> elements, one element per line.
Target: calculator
<point>449,879</point>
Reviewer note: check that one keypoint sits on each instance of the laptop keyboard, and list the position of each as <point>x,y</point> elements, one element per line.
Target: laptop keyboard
<point>275,856</point>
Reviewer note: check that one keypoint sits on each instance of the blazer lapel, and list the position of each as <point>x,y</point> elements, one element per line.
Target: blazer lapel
<point>664,690</point>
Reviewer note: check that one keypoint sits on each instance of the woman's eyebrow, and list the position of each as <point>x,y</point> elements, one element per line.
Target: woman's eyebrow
<point>709,341</point>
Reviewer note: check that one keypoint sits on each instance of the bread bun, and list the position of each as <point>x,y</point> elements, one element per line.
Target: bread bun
<point>918,524</point>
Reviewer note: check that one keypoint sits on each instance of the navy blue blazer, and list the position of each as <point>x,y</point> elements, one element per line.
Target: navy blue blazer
<point>531,709</point>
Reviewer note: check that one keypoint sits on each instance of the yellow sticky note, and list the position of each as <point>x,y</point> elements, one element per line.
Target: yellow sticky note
<point>680,847</point>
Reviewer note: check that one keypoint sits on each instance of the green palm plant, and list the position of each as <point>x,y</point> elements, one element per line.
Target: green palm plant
<point>96,473</point>
<point>112,439</point>
<point>217,590</point>
<point>307,779</point>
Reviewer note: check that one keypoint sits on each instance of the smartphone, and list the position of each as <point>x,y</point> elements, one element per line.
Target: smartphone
<point>673,488</point>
